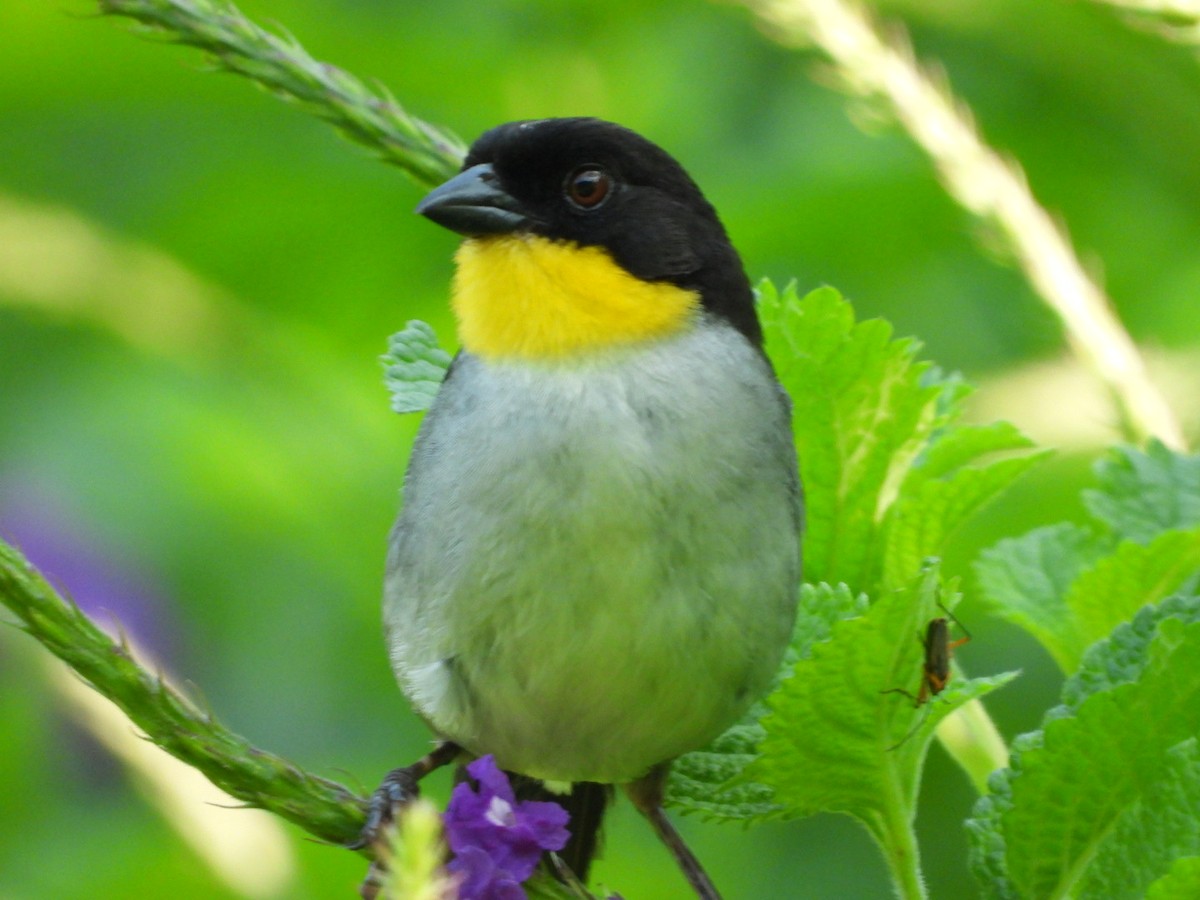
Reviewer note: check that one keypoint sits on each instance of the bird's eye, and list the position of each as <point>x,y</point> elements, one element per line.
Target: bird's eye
<point>587,186</point>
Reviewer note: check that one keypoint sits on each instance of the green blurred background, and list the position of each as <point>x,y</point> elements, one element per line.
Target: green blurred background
<point>196,282</point>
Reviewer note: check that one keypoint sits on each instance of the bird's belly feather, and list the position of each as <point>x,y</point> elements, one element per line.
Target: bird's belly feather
<point>602,575</point>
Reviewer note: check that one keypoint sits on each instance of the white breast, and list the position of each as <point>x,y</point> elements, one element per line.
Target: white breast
<point>596,566</point>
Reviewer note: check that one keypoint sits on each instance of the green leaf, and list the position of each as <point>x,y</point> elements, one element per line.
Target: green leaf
<point>929,511</point>
<point>711,782</point>
<point>1062,809</point>
<point>1159,827</point>
<point>1181,883</point>
<point>1141,494</point>
<point>1058,585</point>
<point>962,445</point>
<point>985,836</point>
<point>1026,580</point>
<point>1075,791</point>
<point>1069,585</point>
<point>1122,656</point>
<point>819,609</point>
<point>1135,575</point>
<point>831,725</point>
<point>861,414</point>
<point>414,367</point>
<point>888,473</point>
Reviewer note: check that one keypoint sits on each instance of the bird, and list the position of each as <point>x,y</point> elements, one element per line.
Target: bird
<point>595,569</point>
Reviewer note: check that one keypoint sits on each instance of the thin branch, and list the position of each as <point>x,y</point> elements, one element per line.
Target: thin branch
<point>1174,20</point>
<point>1181,9</point>
<point>988,186</point>
<point>323,808</point>
<point>369,117</point>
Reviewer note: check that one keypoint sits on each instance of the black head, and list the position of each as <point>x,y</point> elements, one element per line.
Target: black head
<point>598,184</point>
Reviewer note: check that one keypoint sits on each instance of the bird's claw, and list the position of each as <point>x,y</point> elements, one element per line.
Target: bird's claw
<point>398,789</point>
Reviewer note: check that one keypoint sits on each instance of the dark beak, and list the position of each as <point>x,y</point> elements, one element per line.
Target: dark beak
<point>474,204</point>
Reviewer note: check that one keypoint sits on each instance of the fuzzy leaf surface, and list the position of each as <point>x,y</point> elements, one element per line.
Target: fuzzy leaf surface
<point>963,445</point>
<point>830,725</point>
<point>876,429</point>
<point>1069,585</point>
<point>712,782</point>
<point>1077,792</point>
<point>1158,828</point>
<point>709,782</point>
<point>414,367</point>
<point>861,413</point>
<point>1026,580</point>
<point>1134,576</point>
<point>1142,493</point>
<point>1181,883</point>
<point>928,511</point>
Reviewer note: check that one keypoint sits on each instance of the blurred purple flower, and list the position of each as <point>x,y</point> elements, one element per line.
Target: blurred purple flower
<point>481,880</point>
<point>498,840</point>
<point>76,560</point>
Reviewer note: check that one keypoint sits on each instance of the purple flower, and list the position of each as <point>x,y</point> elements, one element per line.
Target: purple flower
<point>481,880</point>
<point>497,840</point>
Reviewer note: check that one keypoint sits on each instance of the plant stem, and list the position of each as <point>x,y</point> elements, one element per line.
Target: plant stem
<point>373,118</point>
<point>323,808</point>
<point>1183,9</point>
<point>987,186</point>
<point>973,741</point>
<point>1177,21</point>
<point>894,833</point>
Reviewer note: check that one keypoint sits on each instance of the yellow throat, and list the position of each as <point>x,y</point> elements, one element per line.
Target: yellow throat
<point>527,297</point>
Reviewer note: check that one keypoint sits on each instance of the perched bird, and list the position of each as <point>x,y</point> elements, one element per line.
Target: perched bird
<point>596,566</point>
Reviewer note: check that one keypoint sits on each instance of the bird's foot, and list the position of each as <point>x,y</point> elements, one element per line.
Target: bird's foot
<point>647,795</point>
<point>399,788</point>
